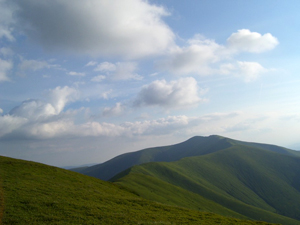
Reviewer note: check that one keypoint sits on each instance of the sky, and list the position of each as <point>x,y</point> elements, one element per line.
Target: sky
<point>84,81</point>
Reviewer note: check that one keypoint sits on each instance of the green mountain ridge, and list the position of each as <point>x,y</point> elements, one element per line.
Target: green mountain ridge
<point>33,193</point>
<point>249,179</point>
<point>194,146</point>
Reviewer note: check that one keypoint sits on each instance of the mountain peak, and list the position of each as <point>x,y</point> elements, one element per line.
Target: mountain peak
<point>195,146</point>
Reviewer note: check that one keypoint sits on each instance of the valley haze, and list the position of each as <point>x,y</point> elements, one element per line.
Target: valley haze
<point>84,81</point>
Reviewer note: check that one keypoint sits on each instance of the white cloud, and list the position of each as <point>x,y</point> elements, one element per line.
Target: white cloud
<point>59,97</point>
<point>5,67</point>
<point>6,20</point>
<point>125,71</point>
<point>40,119</point>
<point>106,66</point>
<point>203,56</point>
<point>1,111</point>
<point>91,63</point>
<point>98,78</point>
<point>33,65</point>
<point>182,92</point>
<point>118,109</point>
<point>248,71</point>
<point>106,94</point>
<point>131,28</point>
<point>10,123</point>
<point>233,124</point>
<point>196,58</point>
<point>33,110</point>
<point>119,70</point>
<point>245,40</point>
<point>159,126</point>
<point>72,73</point>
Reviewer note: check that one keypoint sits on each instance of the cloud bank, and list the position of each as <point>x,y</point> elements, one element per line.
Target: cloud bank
<point>132,28</point>
<point>202,56</point>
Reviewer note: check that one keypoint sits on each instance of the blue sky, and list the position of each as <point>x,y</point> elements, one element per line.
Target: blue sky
<point>84,81</point>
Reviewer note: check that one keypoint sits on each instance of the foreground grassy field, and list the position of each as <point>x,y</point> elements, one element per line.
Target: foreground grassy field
<point>32,193</point>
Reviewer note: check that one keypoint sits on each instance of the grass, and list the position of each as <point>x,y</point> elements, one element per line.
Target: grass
<point>1,202</point>
<point>252,182</point>
<point>34,193</point>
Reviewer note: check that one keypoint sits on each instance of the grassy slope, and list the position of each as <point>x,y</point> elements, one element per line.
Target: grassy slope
<point>252,182</point>
<point>150,187</point>
<point>1,202</point>
<point>193,147</point>
<point>38,194</point>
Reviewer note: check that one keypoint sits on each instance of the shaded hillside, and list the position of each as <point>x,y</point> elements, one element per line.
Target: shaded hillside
<point>195,146</point>
<point>34,193</point>
<point>256,183</point>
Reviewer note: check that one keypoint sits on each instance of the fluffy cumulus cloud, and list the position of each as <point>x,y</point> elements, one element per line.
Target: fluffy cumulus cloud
<point>5,67</point>
<point>132,28</point>
<point>34,109</point>
<point>59,97</point>
<point>40,119</point>
<point>9,124</point>
<point>117,71</point>
<point>245,40</point>
<point>203,56</point>
<point>178,93</point>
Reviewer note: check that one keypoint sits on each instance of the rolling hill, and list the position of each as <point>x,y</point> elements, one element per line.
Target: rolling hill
<point>195,146</point>
<point>255,180</point>
<point>33,193</point>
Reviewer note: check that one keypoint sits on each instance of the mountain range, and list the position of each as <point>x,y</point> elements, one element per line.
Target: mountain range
<point>204,180</point>
<point>194,146</point>
<point>214,173</point>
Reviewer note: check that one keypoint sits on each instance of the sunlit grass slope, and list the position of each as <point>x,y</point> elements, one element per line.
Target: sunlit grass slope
<point>195,146</point>
<point>256,183</point>
<point>32,193</point>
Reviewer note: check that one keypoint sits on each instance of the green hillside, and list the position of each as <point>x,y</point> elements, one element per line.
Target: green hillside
<point>33,193</point>
<point>256,183</point>
<point>195,146</point>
